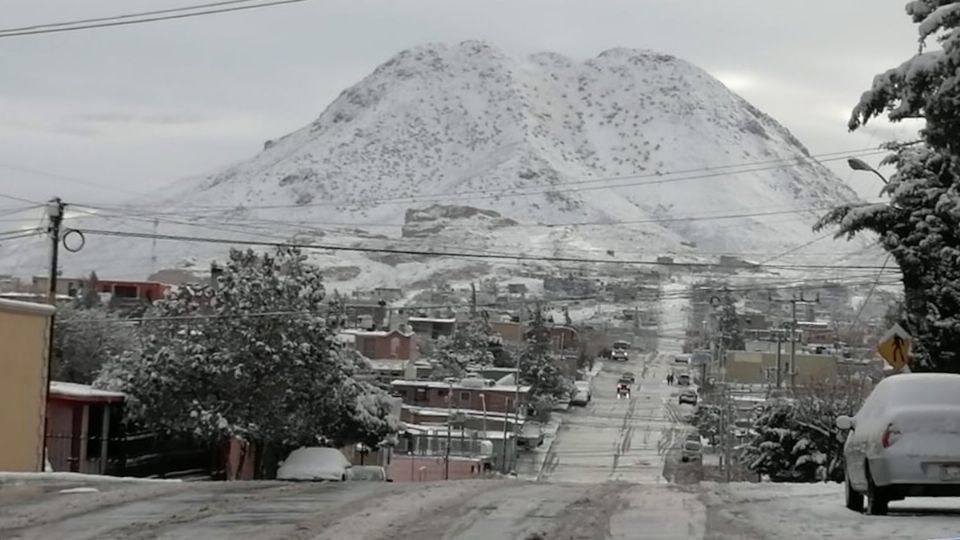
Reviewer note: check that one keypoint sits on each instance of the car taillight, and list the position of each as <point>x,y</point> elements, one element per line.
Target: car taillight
<point>890,436</point>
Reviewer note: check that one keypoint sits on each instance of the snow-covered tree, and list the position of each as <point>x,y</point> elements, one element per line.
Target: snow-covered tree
<point>251,357</point>
<point>920,226</point>
<point>539,368</point>
<point>86,339</point>
<point>797,440</point>
<point>728,323</point>
<point>472,343</point>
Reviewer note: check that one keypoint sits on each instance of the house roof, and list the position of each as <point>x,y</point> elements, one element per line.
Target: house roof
<point>83,392</point>
<point>374,333</point>
<point>15,306</point>
<point>456,386</point>
<point>451,320</point>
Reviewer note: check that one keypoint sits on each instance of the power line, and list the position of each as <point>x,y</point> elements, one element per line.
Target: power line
<point>21,199</point>
<point>452,254</point>
<point>127,16</point>
<point>67,27</point>
<point>712,172</point>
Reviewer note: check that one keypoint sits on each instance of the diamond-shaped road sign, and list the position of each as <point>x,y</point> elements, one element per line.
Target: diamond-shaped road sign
<point>894,346</point>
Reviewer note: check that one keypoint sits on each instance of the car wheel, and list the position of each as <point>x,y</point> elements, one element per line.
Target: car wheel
<point>877,500</point>
<point>854,498</point>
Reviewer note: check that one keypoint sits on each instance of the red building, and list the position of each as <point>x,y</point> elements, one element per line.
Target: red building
<point>381,345</point>
<point>133,291</point>
<point>79,419</point>
<point>500,398</point>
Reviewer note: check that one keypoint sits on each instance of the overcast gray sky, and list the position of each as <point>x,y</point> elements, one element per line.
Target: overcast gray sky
<point>130,109</point>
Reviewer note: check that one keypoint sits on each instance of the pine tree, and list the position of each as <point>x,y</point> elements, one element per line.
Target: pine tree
<point>920,227</point>
<point>252,357</point>
<point>91,297</point>
<point>539,368</point>
<point>728,323</point>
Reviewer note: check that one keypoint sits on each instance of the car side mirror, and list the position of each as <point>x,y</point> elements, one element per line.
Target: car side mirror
<point>845,422</point>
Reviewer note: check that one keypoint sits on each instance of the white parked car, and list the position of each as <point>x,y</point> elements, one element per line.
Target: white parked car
<point>581,395</point>
<point>904,441</point>
<point>314,464</point>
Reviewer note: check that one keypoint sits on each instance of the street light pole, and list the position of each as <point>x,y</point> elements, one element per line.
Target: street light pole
<point>858,164</point>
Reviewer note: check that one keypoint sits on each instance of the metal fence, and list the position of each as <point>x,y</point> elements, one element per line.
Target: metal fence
<point>139,454</point>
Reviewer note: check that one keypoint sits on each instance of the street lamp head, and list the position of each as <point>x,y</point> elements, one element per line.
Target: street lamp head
<point>858,164</point>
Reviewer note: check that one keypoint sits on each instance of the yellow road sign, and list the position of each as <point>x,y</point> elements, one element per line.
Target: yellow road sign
<point>895,346</point>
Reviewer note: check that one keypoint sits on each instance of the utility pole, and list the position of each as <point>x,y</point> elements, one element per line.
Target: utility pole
<point>55,212</point>
<point>473,300</point>
<point>793,334</point>
<point>506,407</point>
<point>779,362</point>
<point>446,457</point>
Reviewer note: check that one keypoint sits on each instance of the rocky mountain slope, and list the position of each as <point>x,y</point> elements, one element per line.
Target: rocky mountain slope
<point>463,147</point>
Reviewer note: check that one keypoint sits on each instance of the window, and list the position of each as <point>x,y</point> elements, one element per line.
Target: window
<point>420,395</point>
<point>441,392</point>
<point>464,396</point>
<point>125,291</point>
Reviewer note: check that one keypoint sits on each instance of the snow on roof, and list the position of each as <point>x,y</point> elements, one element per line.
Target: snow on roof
<point>25,307</point>
<point>458,386</point>
<point>83,391</point>
<point>432,320</point>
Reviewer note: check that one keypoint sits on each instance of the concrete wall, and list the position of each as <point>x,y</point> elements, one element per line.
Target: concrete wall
<point>393,346</point>
<point>431,468</point>
<point>24,332</point>
<point>759,367</point>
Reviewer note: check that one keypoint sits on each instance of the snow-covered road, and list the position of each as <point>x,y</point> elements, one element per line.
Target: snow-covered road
<point>461,510</point>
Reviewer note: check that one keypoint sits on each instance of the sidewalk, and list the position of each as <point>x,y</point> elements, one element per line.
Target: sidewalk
<point>530,462</point>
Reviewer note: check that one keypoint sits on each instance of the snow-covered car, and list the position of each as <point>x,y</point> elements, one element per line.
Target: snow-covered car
<point>313,464</point>
<point>683,379</point>
<point>692,451</point>
<point>904,442</point>
<point>688,397</point>
<point>628,376</point>
<point>743,428</point>
<point>581,394</point>
<point>368,473</point>
<point>681,359</point>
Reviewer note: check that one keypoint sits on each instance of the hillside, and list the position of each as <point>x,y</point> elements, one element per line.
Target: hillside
<point>472,149</point>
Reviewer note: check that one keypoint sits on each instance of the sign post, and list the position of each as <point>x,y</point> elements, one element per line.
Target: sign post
<point>895,346</point>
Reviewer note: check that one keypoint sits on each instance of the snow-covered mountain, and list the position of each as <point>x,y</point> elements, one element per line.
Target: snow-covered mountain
<point>475,150</point>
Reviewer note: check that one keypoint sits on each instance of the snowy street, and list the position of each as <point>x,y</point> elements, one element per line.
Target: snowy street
<point>460,510</point>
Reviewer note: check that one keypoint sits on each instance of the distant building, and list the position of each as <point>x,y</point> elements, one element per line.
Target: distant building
<point>436,394</point>
<point>380,344</point>
<point>761,367</point>
<point>432,327</point>
<point>569,286</point>
<point>516,288</point>
<point>665,260</point>
<point>512,333</point>
<point>126,292</point>
<point>389,294</point>
<point>69,286</point>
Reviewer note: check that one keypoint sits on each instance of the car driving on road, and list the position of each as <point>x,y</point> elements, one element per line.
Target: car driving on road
<point>623,390</point>
<point>903,442</point>
<point>628,376</point>
<point>688,397</point>
<point>620,351</point>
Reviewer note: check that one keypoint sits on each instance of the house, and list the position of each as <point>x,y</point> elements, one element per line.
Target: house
<point>381,344</point>
<point>563,338</point>
<point>24,329</point>
<point>388,294</point>
<point>466,395</point>
<point>69,286</point>
<point>433,327</point>
<point>512,333</point>
<point>132,292</point>
<point>569,286</point>
<point>80,420</point>
<point>516,288</point>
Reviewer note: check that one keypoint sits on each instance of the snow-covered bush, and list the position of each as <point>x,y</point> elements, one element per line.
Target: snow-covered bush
<point>539,368</point>
<point>252,357</point>
<point>919,227</point>
<point>797,440</point>
<point>473,343</point>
